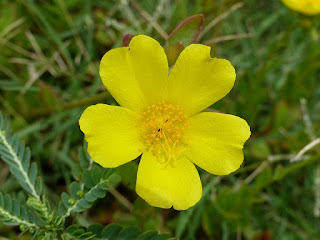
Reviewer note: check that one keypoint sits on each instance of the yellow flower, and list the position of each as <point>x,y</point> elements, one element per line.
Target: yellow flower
<point>160,117</point>
<point>308,7</point>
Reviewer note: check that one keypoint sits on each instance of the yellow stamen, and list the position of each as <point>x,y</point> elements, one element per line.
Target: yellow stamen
<point>163,127</point>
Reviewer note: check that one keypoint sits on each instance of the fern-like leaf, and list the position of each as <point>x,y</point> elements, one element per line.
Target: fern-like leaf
<point>82,196</point>
<point>14,153</point>
<point>76,232</point>
<point>13,213</point>
<point>111,232</point>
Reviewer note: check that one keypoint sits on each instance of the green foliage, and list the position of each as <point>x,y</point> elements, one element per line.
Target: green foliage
<point>111,232</point>
<point>187,32</point>
<point>82,196</point>
<point>14,153</point>
<point>49,73</point>
<point>45,224</point>
<point>13,213</point>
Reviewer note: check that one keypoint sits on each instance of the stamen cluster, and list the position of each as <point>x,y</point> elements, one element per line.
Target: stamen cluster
<point>163,127</point>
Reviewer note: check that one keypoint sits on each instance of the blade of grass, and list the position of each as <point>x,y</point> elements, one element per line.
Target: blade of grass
<point>29,4</point>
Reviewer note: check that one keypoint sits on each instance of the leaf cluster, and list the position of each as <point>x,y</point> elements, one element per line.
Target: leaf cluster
<point>37,215</point>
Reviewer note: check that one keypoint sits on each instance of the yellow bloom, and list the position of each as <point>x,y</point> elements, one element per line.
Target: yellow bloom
<point>308,7</point>
<point>159,117</point>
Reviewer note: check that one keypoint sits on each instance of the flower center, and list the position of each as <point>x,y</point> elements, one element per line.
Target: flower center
<point>163,127</point>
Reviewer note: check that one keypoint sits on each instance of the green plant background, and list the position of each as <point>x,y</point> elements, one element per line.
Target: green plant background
<point>49,62</point>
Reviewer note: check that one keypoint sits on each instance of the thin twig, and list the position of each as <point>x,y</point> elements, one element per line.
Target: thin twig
<point>220,18</point>
<point>256,172</point>
<point>227,38</point>
<point>305,149</point>
<point>156,14</point>
<point>38,51</point>
<point>122,199</point>
<point>147,16</point>
<point>12,26</point>
<point>316,210</point>
<point>34,77</point>
<point>306,119</point>
<point>264,164</point>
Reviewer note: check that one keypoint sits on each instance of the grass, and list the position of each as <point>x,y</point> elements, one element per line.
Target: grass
<point>49,63</point>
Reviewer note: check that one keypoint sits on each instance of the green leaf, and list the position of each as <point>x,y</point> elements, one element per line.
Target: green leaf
<point>75,232</point>
<point>17,157</point>
<point>84,157</point>
<point>129,233</point>
<point>111,231</point>
<point>74,189</point>
<point>186,32</point>
<point>173,51</point>
<point>93,187</point>
<point>65,199</point>
<point>147,235</point>
<point>13,213</point>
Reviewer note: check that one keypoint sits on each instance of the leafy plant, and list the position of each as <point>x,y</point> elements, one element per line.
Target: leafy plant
<point>37,216</point>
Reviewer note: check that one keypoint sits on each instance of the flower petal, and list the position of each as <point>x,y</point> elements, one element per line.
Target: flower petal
<point>112,133</point>
<point>308,7</point>
<point>216,142</point>
<point>166,185</point>
<point>135,75</point>
<point>197,80</point>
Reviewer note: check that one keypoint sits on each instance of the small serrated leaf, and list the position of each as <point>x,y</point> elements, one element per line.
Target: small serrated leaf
<point>7,203</point>
<point>38,185</point>
<point>103,186</point>
<point>15,208</point>
<point>87,179</point>
<point>6,157</point>
<point>83,204</point>
<point>74,188</point>
<point>24,213</point>
<point>62,209</point>
<point>65,199</point>
<point>31,216</point>
<point>99,193</point>
<point>33,172</point>
<point>11,223</point>
<point>20,152</point>
<point>26,159</point>
<point>90,197</point>
<point>96,174</point>
<point>17,174</point>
